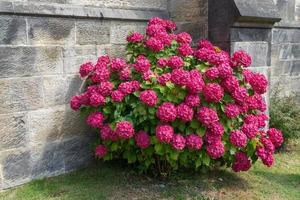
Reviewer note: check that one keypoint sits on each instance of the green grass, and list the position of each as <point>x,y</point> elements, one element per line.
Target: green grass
<point>112,181</point>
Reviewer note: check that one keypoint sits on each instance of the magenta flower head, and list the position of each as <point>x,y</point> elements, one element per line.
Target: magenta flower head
<point>194,142</point>
<point>142,139</point>
<point>95,120</point>
<point>241,58</point>
<point>124,129</point>
<point>166,112</point>
<point>164,133</point>
<point>135,37</point>
<point>207,116</point>
<point>178,142</point>
<point>148,97</point>
<point>101,151</point>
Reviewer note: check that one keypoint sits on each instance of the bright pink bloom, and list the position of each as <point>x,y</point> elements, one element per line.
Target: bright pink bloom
<point>215,150</point>
<point>142,64</point>
<point>162,79</point>
<point>154,44</point>
<point>259,83</point>
<point>240,95</point>
<point>250,130</point>
<point>230,84</point>
<point>180,77</point>
<point>216,129</point>
<point>178,142</point>
<point>166,112</point>
<point>128,87</point>
<point>225,70</point>
<point>256,101</point>
<point>212,138</point>
<point>106,132</point>
<point>192,100</point>
<point>241,58</point>
<point>185,50</point>
<point>207,116</point>
<point>164,133</point>
<point>238,138</point>
<point>175,62</point>
<point>203,54</point>
<point>194,142</point>
<point>86,69</point>
<point>100,75</point>
<point>154,30</point>
<point>268,145</point>
<point>212,73</point>
<point>183,38</point>
<point>125,74</point>
<point>195,83</point>
<point>147,75</point>
<point>95,119</point>
<point>101,151</point>
<point>117,64</point>
<point>135,37</point>
<point>241,163</point>
<point>124,129</point>
<point>148,97</point>
<point>213,92</point>
<point>96,99</point>
<point>75,102</point>
<point>232,110</point>
<point>218,58</point>
<point>117,96</point>
<point>142,139</point>
<point>275,136</point>
<point>247,75</point>
<point>184,112</point>
<point>105,88</point>
<point>103,60</point>
<point>162,62</point>
<point>156,21</point>
<point>205,44</point>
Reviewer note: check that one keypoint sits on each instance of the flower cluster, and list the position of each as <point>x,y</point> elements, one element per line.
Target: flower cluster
<point>171,104</point>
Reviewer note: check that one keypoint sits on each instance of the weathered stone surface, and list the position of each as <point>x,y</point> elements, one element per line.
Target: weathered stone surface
<point>281,35</point>
<point>92,32</point>
<point>26,61</point>
<point>16,168</point>
<point>295,68</point>
<point>13,131</point>
<point>119,30</point>
<point>47,160</point>
<point>113,50</point>
<point>73,158</point>
<point>76,56</point>
<point>55,123</point>
<point>13,30</point>
<point>51,31</point>
<point>59,90</point>
<point>20,94</point>
<point>250,34</point>
<point>197,30</point>
<point>287,51</point>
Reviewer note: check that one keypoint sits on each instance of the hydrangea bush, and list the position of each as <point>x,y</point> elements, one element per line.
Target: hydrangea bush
<point>171,106</point>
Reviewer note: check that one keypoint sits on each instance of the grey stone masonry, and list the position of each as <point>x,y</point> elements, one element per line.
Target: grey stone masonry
<point>42,45</point>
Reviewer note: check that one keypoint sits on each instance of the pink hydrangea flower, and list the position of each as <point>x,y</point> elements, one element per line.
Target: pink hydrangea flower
<point>259,83</point>
<point>194,142</point>
<point>154,29</point>
<point>96,99</point>
<point>205,44</point>
<point>162,62</point>
<point>275,136</point>
<point>211,138</point>
<point>105,132</point>
<point>212,73</point>
<point>216,129</point>
<point>101,151</point>
<point>154,44</point>
<point>86,69</point>
<point>225,70</point>
<point>203,54</point>
<point>100,75</point>
<point>192,100</point>
<point>117,96</point>
<point>207,116</point>
<point>166,112</point>
<point>156,21</point>
<point>256,101</point>
<point>241,58</point>
<point>124,129</point>
<point>180,77</point>
<point>241,163</point>
<point>142,64</point>
<point>215,150</point>
<point>149,97</point>
<point>195,83</point>
<point>183,38</point>
<point>117,64</point>
<point>240,95</point>
<point>75,102</point>
<point>247,75</point>
<point>105,88</point>
<point>95,119</point>
<point>178,142</point>
<point>175,62</point>
<point>165,38</point>
<point>218,58</point>
<point>162,79</point>
<point>185,50</point>
<point>232,110</point>
<point>128,87</point>
<point>125,74</point>
<point>135,37</point>
<point>142,139</point>
<point>230,84</point>
<point>146,76</point>
<point>250,130</point>
<point>164,133</point>
<point>184,112</point>
<point>213,92</point>
<point>238,138</point>
<point>267,143</point>
<point>268,160</point>
<point>103,60</point>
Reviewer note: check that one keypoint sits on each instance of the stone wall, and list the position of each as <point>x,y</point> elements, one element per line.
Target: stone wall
<point>285,53</point>
<point>41,48</point>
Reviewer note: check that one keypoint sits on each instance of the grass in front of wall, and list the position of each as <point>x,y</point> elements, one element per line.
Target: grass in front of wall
<point>111,181</point>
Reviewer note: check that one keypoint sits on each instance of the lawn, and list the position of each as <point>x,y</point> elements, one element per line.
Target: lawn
<point>111,181</point>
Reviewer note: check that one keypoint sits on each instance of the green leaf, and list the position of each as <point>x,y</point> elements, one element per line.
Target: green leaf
<point>206,159</point>
<point>174,155</point>
<point>159,148</point>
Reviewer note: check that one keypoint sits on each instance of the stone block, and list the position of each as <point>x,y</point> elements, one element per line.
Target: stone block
<point>47,160</point>
<point>16,167</point>
<point>13,30</point>
<point>55,123</point>
<point>75,159</point>
<point>13,132</point>
<point>28,61</point>
<point>259,53</point>
<point>48,30</point>
<point>20,94</point>
<point>250,34</point>
<point>76,56</point>
<point>92,32</point>
<point>288,51</point>
<point>295,68</point>
<point>59,90</point>
<point>119,31</point>
<point>114,50</point>
<point>281,35</point>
